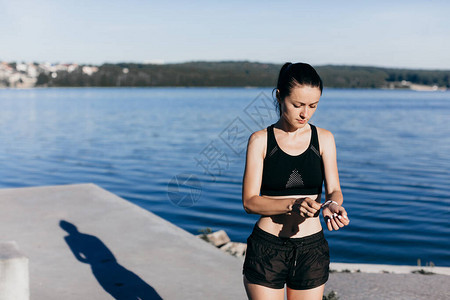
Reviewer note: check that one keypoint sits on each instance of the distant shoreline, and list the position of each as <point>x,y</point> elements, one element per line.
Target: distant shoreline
<point>419,89</point>
<point>210,74</point>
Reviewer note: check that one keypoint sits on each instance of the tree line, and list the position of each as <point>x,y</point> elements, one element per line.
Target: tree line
<point>234,74</point>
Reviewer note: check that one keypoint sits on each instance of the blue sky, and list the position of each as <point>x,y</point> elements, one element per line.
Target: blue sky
<point>411,34</point>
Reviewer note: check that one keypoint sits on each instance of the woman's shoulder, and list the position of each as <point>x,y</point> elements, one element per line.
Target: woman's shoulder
<point>259,136</point>
<point>326,138</point>
<point>258,140</point>
<point>322,132</point>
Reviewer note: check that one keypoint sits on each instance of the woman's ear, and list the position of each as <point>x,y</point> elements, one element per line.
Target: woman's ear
<point>277,94</point>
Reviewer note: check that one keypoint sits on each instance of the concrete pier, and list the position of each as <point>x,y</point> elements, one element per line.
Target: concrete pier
<point>84,242</point>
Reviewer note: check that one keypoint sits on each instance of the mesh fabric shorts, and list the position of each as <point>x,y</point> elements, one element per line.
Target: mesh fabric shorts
<point>301,263</point>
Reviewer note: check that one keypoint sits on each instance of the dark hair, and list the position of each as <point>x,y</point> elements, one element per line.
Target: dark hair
<point>292,75</point>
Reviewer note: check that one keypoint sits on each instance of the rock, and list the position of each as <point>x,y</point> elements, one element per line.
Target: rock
<point>221,240</point>
<point>218,238</point>
<point>235,248</point>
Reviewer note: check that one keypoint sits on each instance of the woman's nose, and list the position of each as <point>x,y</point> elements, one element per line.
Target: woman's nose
<point>304,112</point>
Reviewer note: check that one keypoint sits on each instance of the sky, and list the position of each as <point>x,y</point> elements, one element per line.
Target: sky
<point>399,34</point>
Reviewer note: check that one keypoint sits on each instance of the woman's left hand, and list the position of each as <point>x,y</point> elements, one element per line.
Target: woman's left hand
<point>335,216</point>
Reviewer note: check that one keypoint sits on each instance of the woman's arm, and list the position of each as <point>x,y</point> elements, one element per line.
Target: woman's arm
<point>263,205</point>
<point>334,214</point>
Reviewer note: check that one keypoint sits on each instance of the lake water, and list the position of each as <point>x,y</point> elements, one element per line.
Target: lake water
<point>180,152</point>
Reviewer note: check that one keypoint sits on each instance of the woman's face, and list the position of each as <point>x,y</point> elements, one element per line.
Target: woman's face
<point>300,105</point>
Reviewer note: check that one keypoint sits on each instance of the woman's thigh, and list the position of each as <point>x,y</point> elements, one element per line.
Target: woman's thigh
<point>259,292</point>
<point>311,294</point>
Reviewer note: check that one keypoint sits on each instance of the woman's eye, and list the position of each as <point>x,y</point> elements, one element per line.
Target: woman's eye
<point>313,106</point>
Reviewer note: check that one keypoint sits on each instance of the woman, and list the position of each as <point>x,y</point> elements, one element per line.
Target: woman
<point>286,165</point>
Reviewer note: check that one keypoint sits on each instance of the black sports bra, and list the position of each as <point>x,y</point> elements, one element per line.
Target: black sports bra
<point>284,174</point>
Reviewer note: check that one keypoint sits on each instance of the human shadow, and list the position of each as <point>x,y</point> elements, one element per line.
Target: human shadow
<point>119,282</point>
<point>290,222</point>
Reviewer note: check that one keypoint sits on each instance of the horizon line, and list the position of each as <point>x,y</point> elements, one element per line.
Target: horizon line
<point>162,63</point>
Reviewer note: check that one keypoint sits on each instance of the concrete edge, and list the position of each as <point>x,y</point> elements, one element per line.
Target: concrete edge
<point>10,250</point>
<point>138,208</point>
<point>373,268</point>
<point>58,186</point>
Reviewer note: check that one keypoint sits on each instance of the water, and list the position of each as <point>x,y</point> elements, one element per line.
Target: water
<point>393,156</point>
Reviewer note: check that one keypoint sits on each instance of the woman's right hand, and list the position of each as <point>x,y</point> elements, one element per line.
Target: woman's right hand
<point>306,207</point>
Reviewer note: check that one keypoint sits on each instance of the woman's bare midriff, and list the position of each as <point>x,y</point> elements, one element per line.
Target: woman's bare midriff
<point>291,224</point>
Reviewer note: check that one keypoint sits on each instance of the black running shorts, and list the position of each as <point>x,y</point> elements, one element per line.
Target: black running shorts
<point>300,263</point>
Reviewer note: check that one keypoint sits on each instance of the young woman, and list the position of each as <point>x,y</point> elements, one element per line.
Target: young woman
<point>286,165</point>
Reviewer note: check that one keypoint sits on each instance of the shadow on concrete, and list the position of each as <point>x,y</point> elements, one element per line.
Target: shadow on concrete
<point>114,278</point>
